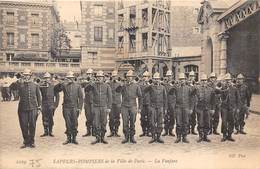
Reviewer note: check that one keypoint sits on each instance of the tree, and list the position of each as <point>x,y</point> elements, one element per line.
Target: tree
<point>60,41</point>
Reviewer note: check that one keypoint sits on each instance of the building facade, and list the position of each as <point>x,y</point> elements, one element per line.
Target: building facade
<point>98,35</point>
<point>231,38</point>
<point>186,36</point>
<point>143,35</point>
<point>26,30</point>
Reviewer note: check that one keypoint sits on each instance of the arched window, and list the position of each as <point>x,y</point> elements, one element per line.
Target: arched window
<point>189,68</point>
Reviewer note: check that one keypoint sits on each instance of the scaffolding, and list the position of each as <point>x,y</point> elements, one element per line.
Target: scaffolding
<point>143,30</point>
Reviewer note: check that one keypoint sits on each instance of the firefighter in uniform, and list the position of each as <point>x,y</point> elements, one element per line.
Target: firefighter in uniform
<point>114,115</point>
<point>215,117</point>
<point>145,109</point>
<point>50,101</point>
<point>192,117</point>
<point>102,103</point>
<point>88,104</point>
<point>205,107</point>
<point>169,118</point>
<point>72,105</point>
<point>130,92</point>
<point>158,99</point>
<point>229,107</point>
<point>245,98</point>
<point>183,94</point>
<point>28,107</point>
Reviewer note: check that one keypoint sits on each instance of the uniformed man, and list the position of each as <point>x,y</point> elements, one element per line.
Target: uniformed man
<point>145,109</point>
<point>50,101</point>
<point>192,117</point>
<point>245,98</point>
<point>130,92</point>
<point>28,107</point>
<point>183,93</point>
<point>102,103</point>
<point>205,107</point>
<point>229,107</point>
<point>114,115</point>
<point>72,105</point>
<point>158,99</point>
<point>88,104</point>
<point>169,118</point>
<point>215,117</point>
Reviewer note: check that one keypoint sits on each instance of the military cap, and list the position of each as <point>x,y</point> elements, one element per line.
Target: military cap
<point>100,73</point>
<point>169,73</point>
<point>156,75</point>
<point>27,72</point>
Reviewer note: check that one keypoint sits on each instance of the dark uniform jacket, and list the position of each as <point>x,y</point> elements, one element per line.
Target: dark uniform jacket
<point>88,94</point>
<point>102,94</point>
<point>50,98</point>
<point>116,97</point>
<point>146,95</point>
<point>230,97</point>
<point>206,97</point>
<point>30,95</point>
<point>130,91</point>
<point>245,95</point>
<point>183,94</point>
<point>170,95</point>
<point>158,96</point>
<point>73,97</point>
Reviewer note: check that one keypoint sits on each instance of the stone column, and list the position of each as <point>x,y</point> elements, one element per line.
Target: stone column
<point>223,52</point>
<point>150,65</point>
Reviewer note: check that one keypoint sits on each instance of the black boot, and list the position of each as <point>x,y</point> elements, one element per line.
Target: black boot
<point>171,133</point>
<point>206,138</point>
<point>74,141</point>
<point>215,132</point>
<point>142,135</point>
<point>229,138</point>
<point>87,134</point>
<point>178,138</point>
<point>185,140</point>
<point>237,132</point>
<point>132,139</point>
<point>153,139</point>
<point>103,140</point>
<point>242,131</point>
<point>200,138</point>
<point>46,133</point>
<point>159,140</point>
<point>126,140</point>
<point>68,140</point>
<point>224,137</point>
<point>165,132</point>
<point>50,132</point>
<point>116,132</point>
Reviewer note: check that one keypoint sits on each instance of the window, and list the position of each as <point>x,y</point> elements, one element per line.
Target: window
<point>35,40</point>
<point>196,30</point>
<point>190,68</point>
<point>110,33</point>
<point>10,39</point>
<point>22,38</point>
<point>120,43</point>
<point>144,41</point>
<point>92,55</point>
<point>98,33</point>
<point>98,10</point>
<point>35,19</point>
<point>9,56</point>
<point>10,18</point>
<point>132,44</point>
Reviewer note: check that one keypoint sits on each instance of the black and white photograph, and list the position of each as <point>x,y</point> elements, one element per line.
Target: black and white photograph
<point>112,84</point>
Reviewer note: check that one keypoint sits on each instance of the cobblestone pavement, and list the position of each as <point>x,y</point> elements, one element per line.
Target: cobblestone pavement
<point>50,153</point>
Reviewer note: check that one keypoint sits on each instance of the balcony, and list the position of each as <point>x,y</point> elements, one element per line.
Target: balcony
<point>52,67</point>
